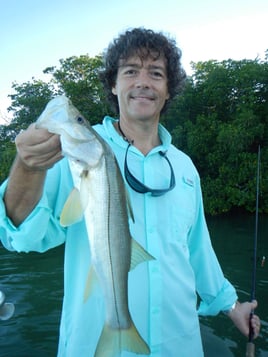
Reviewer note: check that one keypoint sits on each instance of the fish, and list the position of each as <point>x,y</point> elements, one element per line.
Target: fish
<point>102,200</point>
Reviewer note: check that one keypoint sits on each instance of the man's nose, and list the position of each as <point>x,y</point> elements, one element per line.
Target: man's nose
<point>143,80</point>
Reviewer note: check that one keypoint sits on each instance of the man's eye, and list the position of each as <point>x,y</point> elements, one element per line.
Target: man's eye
<point>130,72</point>
<point>157,74</point>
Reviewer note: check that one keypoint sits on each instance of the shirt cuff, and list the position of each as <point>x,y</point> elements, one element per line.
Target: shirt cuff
<point>21,238</point>
<point>222,302</point>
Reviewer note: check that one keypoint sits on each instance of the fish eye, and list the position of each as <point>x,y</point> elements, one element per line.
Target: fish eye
<point>80,120</point>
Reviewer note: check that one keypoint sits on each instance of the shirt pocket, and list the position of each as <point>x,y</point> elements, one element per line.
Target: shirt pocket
<point>182,214</point>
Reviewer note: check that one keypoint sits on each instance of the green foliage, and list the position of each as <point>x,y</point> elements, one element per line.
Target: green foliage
<point>78,79</point>
<point>220,120</point>
<point>7,155</point>
<point>27,103</point>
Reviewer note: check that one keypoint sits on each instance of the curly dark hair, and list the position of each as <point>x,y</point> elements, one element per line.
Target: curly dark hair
<point>145,43</point>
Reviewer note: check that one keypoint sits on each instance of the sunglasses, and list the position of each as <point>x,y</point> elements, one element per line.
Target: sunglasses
<point>139,187</point>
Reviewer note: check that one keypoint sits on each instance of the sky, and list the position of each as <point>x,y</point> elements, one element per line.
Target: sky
<point>36,34</point>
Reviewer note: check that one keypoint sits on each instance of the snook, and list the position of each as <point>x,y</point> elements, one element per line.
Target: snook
<point>103,201</point>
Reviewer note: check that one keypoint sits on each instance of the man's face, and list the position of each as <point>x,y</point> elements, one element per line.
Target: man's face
<point>141,88</point>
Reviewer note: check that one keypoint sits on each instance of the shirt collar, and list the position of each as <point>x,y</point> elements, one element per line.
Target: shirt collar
<point>111,132</point>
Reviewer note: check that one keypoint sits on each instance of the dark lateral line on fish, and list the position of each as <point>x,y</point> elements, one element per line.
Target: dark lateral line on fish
<point>111,261</point>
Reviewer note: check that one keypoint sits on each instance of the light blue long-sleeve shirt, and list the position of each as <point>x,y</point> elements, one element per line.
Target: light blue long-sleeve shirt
<point>172,228</point>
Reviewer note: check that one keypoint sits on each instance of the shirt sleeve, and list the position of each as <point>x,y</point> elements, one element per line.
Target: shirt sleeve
<point>41,230</point>
<point>216,292</point>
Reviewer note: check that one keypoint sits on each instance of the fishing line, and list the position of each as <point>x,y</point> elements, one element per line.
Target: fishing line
<point>250,346</point>
<point>253,289</point>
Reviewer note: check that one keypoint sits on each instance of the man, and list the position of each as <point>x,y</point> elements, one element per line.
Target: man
<point>142,74</point>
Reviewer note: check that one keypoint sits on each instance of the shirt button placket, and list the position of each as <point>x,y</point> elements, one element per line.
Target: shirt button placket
<point>155,280</point>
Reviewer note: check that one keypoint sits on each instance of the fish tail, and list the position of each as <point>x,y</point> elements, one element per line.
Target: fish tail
<point>114,341</point>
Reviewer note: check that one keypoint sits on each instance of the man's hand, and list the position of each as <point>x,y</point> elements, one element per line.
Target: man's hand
<point>240,316</point>
<point>38,149</point>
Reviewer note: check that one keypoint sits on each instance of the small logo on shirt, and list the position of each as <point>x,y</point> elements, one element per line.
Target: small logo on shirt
<point>188,181</point>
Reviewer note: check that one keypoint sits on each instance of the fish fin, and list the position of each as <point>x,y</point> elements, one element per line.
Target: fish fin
<point>129,206</point>
<point>72,211</point>
<point>113,341</point>
<point>92,279</point>
<point>138,254</point>
<point>76,203</point>
<point>132,341</point>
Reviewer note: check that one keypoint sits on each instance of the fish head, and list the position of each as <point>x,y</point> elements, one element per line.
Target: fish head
<point>78,140</point>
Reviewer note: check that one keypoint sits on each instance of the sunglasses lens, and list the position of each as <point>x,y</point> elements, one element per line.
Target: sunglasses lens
<point>139,187</point>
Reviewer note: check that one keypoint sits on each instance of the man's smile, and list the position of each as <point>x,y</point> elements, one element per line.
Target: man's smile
<point>142,96</point>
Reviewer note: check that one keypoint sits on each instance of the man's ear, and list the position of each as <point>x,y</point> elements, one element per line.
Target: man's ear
<point>114,91</point>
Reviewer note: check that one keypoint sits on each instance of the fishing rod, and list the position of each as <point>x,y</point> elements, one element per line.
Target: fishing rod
<point>250,351</point>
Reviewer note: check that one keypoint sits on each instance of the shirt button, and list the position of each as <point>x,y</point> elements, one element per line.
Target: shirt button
<point>155,269</point>
<point>155,310</point>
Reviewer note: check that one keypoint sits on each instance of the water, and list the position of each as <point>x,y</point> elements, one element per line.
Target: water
<point>34,283</point>
<point>233,240</point>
